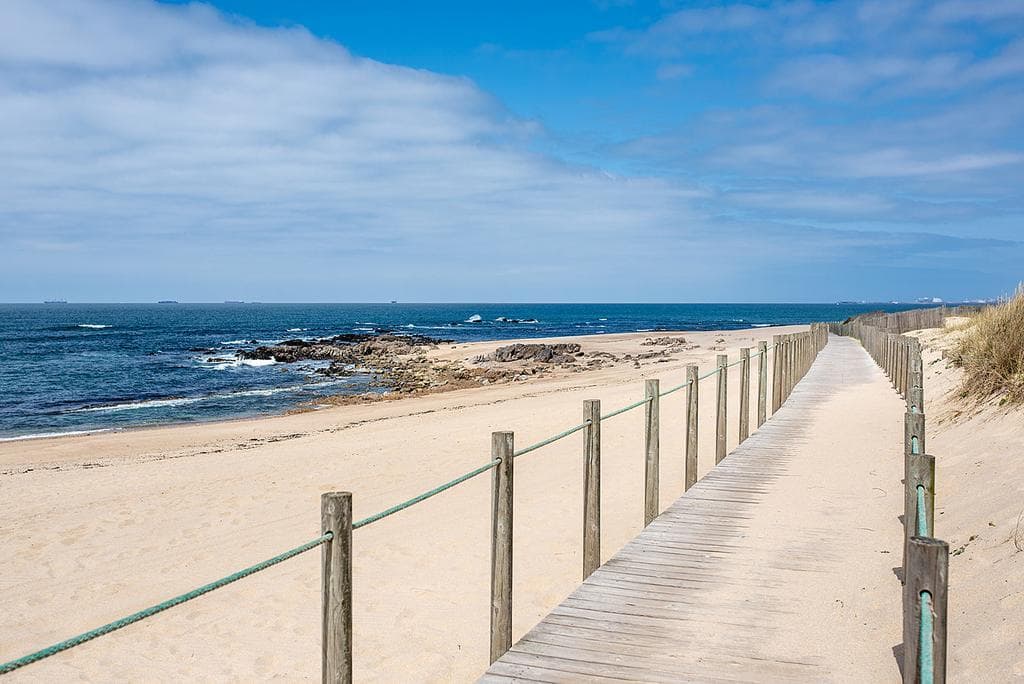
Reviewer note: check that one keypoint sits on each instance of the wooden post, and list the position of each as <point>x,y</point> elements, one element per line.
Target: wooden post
<point>762,383</point>
<point>336,588</point>
<point>502,448</point>
<point>915,393</point>
<point>776,373</point>
<point>651,450</point>
<point>744,394</point>
<point>591,487</point>
<point>913,435</point>
<point>692,404</point>
<point>720,425</point>
<point>927,570</point>
<point>921,474</point>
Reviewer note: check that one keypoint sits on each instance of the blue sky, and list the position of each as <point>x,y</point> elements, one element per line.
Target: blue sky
<point>576,151</point>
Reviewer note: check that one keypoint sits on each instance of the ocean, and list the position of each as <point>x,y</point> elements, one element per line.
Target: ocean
<point>69,368</point>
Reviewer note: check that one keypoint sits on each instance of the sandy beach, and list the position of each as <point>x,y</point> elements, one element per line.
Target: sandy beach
<point>99,526</point>
<point>96,527</point>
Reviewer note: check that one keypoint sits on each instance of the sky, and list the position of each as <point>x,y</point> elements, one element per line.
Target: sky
<point>586,150</point>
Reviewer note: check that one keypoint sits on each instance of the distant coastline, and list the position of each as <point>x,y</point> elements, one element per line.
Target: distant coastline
<point>87,367</point>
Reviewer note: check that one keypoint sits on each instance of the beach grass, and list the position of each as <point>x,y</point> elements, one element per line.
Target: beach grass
<point>991,352</point>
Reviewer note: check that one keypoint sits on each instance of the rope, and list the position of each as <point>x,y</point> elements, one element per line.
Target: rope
<point>708,374</point>
<point>555,438</point>
<point>926,643</point>
<point>424,496</point>
<point>626,408</point>
<point>915,445</point>
<point>153,610</point>
<point>922,522</point>
<point>675,389</point>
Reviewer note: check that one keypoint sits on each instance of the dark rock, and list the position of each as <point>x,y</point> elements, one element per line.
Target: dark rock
<point>543,353</point>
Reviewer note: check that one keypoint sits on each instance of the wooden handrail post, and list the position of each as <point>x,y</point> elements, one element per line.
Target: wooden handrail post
<point>744,394</point>
<point>915,393</point>
<point>651,449</point>
<point>776,373</point>
<point>336,588</point>
<point>720,422</point>
<point>913,435</point>
<point>502,448</point>
<point>922,474</point>
<point>592,487</point>
<point>927,570</point>
<point>692,405</point>
<point>762,383</point>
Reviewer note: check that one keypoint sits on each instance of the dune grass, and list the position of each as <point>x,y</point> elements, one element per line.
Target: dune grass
<point>991,352</point>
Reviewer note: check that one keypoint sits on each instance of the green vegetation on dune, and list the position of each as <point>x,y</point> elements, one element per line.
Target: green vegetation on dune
<point>992,352</point>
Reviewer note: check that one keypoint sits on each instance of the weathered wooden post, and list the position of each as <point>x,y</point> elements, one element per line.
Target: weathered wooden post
<point>720,425</point>
<point>502,448</point>
<point>692,403</point>
<point>591,487</point>
<point>921,474</point>
<point>744,393</point>
<point>651,450</point>
<point>924,641</point>
<point>776,373</point>
<point>336,588</point>
<point>915,393</point>
<point>762,383</point>
<point>913,438</point>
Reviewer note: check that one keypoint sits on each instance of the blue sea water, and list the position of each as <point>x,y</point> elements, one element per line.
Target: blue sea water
<point>80,367</point>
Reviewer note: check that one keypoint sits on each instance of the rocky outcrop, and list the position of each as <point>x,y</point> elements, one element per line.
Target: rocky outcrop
<point>542,353</point>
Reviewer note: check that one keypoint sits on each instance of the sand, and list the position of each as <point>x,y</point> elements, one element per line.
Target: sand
<point>96,527</point>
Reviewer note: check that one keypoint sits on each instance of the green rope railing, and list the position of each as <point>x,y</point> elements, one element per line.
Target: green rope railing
<point>922,519</point>
<point>425,495</point>
<point>554,438</point>
<point>629,407</point>
<point>12,665</point>
<point>675,389</point>
<point>926,642</point>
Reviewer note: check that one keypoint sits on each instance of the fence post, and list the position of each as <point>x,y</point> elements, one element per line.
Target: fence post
<point>776,373</point>
<point>787,369</point>
<point>762,383</point>
<point>720,425</point>
<point>592,487</point>
<point>913,438</point>
<point>915,394</point>
<point>744,394</point>
<point>651,450</point>
<point>922,474</point>
<point>336,588</point>
<point>692,404</point>
<point>502,448</point>
<point>927,572</point>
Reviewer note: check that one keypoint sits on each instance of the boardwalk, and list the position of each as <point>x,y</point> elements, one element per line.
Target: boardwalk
<point>777,566</point>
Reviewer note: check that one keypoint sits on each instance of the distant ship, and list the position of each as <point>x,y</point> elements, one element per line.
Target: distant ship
<point>394,301</point>
<point>56,301</point>
<point>167,301</point>
<point>233,301</point>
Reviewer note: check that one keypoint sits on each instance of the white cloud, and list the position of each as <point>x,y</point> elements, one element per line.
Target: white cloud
<point>131,126</point>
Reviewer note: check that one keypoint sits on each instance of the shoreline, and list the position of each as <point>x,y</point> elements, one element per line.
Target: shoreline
<point>334,401</point>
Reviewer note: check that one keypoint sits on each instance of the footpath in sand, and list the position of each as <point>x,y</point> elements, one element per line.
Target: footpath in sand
<point>777,566</point>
